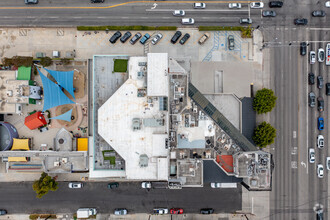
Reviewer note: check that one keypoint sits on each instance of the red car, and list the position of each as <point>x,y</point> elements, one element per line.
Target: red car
<point>176,211</point>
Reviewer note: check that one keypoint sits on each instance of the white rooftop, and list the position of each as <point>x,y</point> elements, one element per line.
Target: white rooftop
<point>115,125</point>
<point>157,74</point>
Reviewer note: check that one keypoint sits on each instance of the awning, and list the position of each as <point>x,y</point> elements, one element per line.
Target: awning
<point>82,144</point>
<point>65,117</point>
<point>24,73</point>
<point>20,144</point>
<point>17,159</point>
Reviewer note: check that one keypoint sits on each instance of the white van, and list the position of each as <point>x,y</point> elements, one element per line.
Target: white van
<point>188,21</point>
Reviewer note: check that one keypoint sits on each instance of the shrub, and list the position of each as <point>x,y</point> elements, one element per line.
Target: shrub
<point>264,101</point>
<point>264,134</point>
<point>17,61</point>
<point>65,61</point>
<point>126,28</point>
<point>46,61</point>
<point>246,32</point>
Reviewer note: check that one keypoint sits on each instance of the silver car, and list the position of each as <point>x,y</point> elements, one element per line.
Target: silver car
<point>311,99</point>
<point>320,141</point>
<point>120,212</point>
<point>245,21</point>
<point>311,155</point>
<point>199,5</point>
<point>31,1</point>
<point>75,185</point>
<point>320,55</point>
<point>312,57</point>
<point>235,5</point>
<point>156,39</point>
<point>179,13</point>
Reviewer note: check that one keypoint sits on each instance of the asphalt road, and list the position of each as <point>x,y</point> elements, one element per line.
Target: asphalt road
<point>20,198</point>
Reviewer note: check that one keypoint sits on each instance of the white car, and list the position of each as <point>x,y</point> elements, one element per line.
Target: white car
<point>199,5</point>
<point>320,55</point>
<point>312,57</point>
<point>327,4</point>
<point>320,141</point>
<point>160,211</point>
<point>156,39</point>
<point>187,21</point>
<point>311,155</point>
<point>328,163</point>
<point>256,4</point>
<point>75,185</point>
<point>215,185</point>
<point>235,5</point>
<point>320,171</point>
<point>146,185</point>
<point>120,212</point>
<point>179,13</point>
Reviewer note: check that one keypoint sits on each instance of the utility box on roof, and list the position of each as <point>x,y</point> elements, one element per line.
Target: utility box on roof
<point>56,54</point>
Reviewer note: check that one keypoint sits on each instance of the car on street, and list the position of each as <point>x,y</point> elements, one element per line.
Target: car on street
<point>187,21</point>
<point>320,104</point>
<point>319,214</point>
<point>312,57</point>
<point>311,155</point>
<point>327,89</point>
<point>275,4</point>
<point>328,163</point>
<point>320,55</point>
<point>231,42</point>
<point>256,4</point>
<point>303,48</point>
<point>199,5</point>
<point>125,37</point>
<point>268,14</point>
<point>176,211</point>
<point>3,212</point>
<point>311,78</point>
<point>136,37</point>
<point>320,82</point>
<point>144,38</point>
<point>300,21</point>
<point>318,13</point>
<point>31,2</point>
<point>113,185</point>
<point>235,5</point>
<point>120,212</point>
<point>97,1</point>
<point>311,99</point>
<point>75,185</point>
<point>179,13</point>
<point>320,123</point>
<point>146,185</point>
<point>215,185</point>
<point>176,37</point>
<point>160,211</point>
<point>203,38</point>
<point>327,4</point>
<point>184,39</point>
<point>156,39</point>
<point>207,211</point>
<point>115,37</point>
<point>320,171</point>
<point>245,21</point>
<point>320,141</point>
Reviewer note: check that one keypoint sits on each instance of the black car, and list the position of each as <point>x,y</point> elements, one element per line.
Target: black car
<point>318,13</point>
<point>303,48</point>
<point>184,39</point>
<point>311,78</point>
<point>97,1</point>
<point>176,37</point>
<point>275,4</point>
<point>327,89</point>
<point>3,212</point>
<point>268,14</point>
<point>136,37</point>
<point>125,37</point>
<point>207,211</point>
<point>113,185</point>
<point>320,104</point>
<point>115,37</point>
<point>320,82</point>
<point>300,21</point>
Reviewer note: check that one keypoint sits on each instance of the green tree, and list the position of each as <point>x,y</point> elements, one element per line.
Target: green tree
<point>44,184</point>
<point>264,101</point>
<point>46,61</point>
<point>264,134</point>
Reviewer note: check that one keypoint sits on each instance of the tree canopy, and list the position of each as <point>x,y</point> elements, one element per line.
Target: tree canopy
<point>264,101</point>
<point>44,184</point>
<point>264,134</point>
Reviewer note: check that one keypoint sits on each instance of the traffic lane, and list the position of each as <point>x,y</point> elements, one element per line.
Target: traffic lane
<point>61,3</point>
<point>20,198</point>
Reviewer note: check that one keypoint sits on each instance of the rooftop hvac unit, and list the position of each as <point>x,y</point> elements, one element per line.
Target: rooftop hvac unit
<point>64,160</point>
<point>56,164</point>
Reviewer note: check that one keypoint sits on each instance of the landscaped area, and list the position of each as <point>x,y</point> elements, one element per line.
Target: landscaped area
<point>109,155</point>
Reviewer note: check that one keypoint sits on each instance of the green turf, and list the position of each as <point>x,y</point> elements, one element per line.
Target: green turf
<point>120,66</point>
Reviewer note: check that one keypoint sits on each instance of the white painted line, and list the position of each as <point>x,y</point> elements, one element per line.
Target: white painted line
<point>319,29</point>
<point>306,98</point>
<point>205,10</point>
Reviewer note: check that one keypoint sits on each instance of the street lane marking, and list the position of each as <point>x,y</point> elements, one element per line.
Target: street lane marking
<point>192,10</point>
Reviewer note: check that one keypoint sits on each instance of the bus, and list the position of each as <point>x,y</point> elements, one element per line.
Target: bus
<point>327,62</point>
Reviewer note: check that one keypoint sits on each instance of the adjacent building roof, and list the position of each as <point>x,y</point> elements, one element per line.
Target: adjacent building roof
<point>35,120</point>
<point>157,77</point>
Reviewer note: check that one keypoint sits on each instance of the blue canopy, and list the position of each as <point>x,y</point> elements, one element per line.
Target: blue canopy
<point>53,94</point>
<point>64,79</point>
<point>65,117</point>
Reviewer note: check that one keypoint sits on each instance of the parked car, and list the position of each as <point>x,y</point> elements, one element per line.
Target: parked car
<point>179,13</point>
<point>207,211</point>
<point>268,14</point>
<point>31,2</point>
<point>328,163</point>
<point>176,37</point>
<point>113,185</point>
<point>146,185</point>
<point>176,211</point>
<point>115,37</point>
<point>97,1</point>
<point>275,4</point>
<point>156,39</point>
<point>320,104</point>
<point>3,212</point>
<point>203,38</point>
<point>160,211</point>
<point>311,78</point>
<point>320,171</point>
<point>312,57</point>
<point>187,21</point>
<point>320,123</point>
<point>311,99</point>
<point>320,141</point>
<point>144,38</point>
<point>256,4</point>
<point>311,155</point>
<point>120,212</point>
<point>327,89</point>
<point>303,48</point>
<point>235,5</point>
<point>215,185</point>
<point>125,37</point>
<point>318,13</point>
<point>75,185</point>
<point>320,82</point>
<point>300,21</point>
<point>320,55</point>
<point>184,39</point>
<point>199,5</point>
<point>231,42</point>
<point>245,21</point>
<point>327,4</point>
<point>136,37</point>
